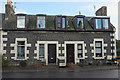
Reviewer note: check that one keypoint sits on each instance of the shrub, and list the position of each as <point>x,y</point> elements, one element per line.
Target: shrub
<point>23,63</point>
<point>5,62</point>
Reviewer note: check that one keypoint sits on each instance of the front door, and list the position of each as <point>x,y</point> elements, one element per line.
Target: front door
<point>51,53</point>
<point>70,53</point>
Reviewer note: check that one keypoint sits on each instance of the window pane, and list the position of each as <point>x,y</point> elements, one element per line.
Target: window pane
<point>59,21</point>
<point>79,46</point>
<point>21,49</point>
<point>98,44</point>
<point>21,43</point>
<point>80,55</point>
<point>105,23</point>
<point>79,51</point>
<point>41,50</point>
<point>80,22</point>
<point>20,21</point>
<point>98,24</point>
<point>98,50</point>
<point>63,22</point>
<point>41,22</point>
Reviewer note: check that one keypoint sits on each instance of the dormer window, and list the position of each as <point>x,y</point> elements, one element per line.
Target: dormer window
<point>40,21</point>
<point>61,22</point>
<point>80,23</point>
<point>20,21</point>
<point>102,23</point>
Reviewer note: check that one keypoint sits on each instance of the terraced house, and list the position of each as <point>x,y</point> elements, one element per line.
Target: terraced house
<point>57,39</point>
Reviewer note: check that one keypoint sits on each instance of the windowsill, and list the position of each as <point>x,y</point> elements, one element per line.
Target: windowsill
<point>21,59</point>
<point>99,57</point>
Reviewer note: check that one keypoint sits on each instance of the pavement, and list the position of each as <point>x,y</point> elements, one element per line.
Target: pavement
<point>54,68</point>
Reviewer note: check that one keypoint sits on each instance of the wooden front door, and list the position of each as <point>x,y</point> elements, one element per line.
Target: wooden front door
<point>51,53</point>
<point>70,53</point>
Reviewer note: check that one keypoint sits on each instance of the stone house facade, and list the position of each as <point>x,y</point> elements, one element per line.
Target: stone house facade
<point>56,39</point>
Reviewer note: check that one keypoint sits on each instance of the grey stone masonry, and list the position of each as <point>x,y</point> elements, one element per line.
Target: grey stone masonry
<point>34,36</point>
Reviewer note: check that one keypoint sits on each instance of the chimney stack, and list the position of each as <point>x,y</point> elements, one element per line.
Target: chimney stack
<point>102,11</point>
<point>9,9</point>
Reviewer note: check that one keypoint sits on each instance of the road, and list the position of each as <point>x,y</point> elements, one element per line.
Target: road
<point>53,74</point>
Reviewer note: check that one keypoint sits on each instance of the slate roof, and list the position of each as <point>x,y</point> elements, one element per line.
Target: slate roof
<point>50,22</point>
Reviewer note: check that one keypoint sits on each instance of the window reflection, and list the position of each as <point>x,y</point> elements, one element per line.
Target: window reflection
<point>80,23</point>
<point>41,22</point>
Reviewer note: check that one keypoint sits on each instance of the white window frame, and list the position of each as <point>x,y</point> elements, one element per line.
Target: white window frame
<point>20,39</point>
<point>20,46</point>
<point>18,22</point>
<point>76,58</point>
<point>95,49</point>
<point>46,50</point>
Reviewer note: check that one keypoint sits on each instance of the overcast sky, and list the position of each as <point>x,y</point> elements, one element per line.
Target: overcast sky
<point>65,7</point>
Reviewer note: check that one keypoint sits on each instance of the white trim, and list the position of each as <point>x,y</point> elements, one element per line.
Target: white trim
<point>35,51</point>
<point>76,59</point>
<point>12,45</point>
<point>20,39</point>
<point>115,54</point>
<point>4,51</point>
<point>46,49</point>
<point>12,51</point>
<point>59,45</point>
<point>4,33</point>
<point>98,39</point>
<point>4,39</point>
<point>63,45</point>
<point>91,45</point>
<point>28,45</point>
<point>15,48</point>
<point>4,45</point>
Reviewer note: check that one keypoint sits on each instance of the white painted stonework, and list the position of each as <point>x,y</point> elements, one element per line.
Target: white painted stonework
<point>3,44</point>
<point>113,45</point>
<point>76,59</point>
<point>15,48</point>
<point>45,50</point>
<point>103,48</point>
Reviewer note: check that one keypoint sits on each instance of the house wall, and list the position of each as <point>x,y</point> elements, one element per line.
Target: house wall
<point>32,37</point>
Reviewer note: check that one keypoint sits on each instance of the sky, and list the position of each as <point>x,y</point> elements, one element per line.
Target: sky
<point>65,7</point>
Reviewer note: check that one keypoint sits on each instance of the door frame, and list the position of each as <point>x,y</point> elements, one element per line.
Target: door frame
<point>76,59</point>
<point>46,50</point>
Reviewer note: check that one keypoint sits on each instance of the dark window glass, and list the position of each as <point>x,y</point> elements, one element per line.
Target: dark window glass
<point>98,48</point>
<point>41,50</point>
<point>21,49</point>
<point>80,51</point>
<point>80,23</point>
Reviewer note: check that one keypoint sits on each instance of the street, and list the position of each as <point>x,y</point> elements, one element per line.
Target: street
<point>53,74</point>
